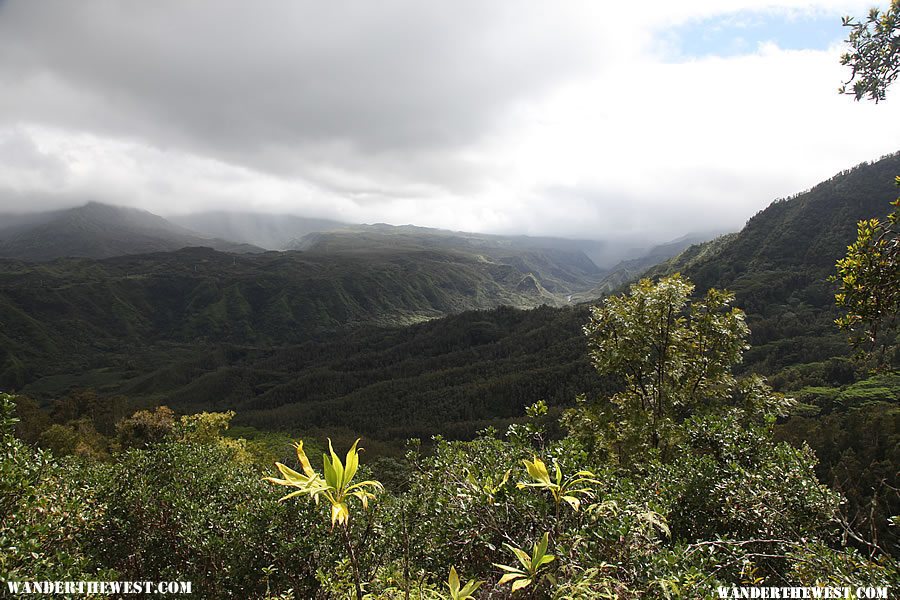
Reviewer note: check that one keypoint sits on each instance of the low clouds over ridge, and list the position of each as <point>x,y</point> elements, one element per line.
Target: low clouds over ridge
<point>527,117</point>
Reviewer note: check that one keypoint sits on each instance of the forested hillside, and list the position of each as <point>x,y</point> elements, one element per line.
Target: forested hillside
<point>61,318</point>
<point>391,334</point>
<point>594,255</point>
<point>693,499</point>
<point>780,263</point>
<point>289,338</point>
<point>292,341</point>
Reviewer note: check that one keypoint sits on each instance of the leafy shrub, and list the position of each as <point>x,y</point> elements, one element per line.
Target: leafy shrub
<point>190,511</point>
<point>145,427</point>
<point>48,513</point>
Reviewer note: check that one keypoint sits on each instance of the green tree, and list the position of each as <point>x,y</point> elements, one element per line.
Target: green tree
<point>869,284</point>
<point>103,412</point>
<point>32,420</point>
<point>868,276</point>
<point>674,357</point>
<point>61,440</point>
<point>181,509</point>
<point>145,427</point>
<point>78,437</point>
<point>204,427</point>
<point>874,55</point>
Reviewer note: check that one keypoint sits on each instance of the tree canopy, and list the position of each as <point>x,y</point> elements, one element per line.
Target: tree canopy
<point>673,356</point>
<point>874,55</point>
<point>869,280</point>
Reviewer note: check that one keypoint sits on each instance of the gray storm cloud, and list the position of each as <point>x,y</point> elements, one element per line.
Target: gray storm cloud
<point>285,87</point>
<point>516,116</point>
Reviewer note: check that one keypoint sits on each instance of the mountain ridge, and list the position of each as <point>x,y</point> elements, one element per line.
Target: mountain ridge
<point>98,230</point>
<point>436,372</point>
<point>779,264</point>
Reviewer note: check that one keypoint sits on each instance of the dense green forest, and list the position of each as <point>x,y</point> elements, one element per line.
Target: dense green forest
<point>706,494</point>
<point>59,316</point>
<point>780,263</point>
<point>673,484</point>
<point>287,341</point>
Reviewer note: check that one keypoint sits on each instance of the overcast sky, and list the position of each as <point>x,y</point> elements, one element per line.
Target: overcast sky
<point>569,118</point>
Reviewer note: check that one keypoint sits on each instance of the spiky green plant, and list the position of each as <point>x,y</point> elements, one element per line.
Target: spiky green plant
<point>566,490</point>
<point>336,486</point>
<point>532,566</point>
<point>461,593</point>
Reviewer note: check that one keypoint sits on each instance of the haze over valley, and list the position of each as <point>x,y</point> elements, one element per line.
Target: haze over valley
<point>84,289</point>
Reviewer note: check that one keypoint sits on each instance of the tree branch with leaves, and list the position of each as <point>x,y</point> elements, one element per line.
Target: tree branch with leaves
<point>874,54</point>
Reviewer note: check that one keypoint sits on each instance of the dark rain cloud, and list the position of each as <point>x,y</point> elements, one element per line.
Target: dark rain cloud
<point>395,87</point>
<point>516,116</point>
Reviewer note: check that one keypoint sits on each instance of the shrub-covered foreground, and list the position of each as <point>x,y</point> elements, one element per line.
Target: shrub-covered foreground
<point>668,489</point>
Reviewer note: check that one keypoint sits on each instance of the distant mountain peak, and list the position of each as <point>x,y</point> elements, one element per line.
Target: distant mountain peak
<point>100,230</point>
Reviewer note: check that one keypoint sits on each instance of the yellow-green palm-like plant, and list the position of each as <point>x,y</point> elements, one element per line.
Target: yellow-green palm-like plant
<point>532,566</point>
<point>461,593</point>
<point>562,490</point>
<point>336,486</point>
